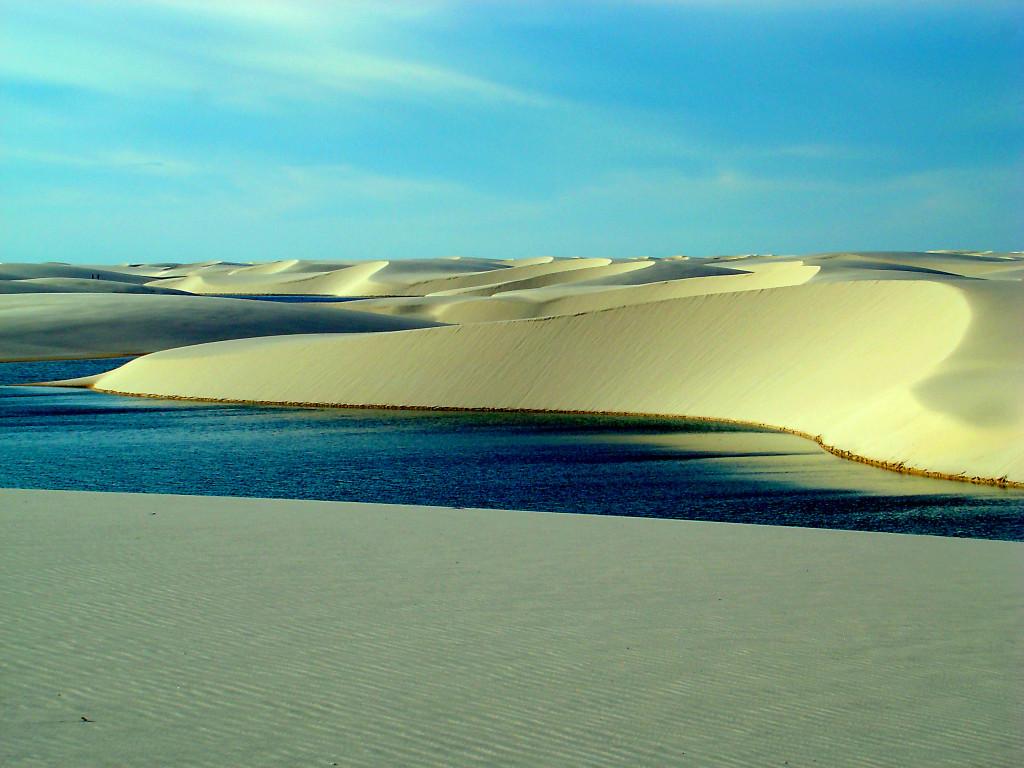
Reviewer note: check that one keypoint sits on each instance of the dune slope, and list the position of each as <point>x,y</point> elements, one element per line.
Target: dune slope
<point>53,326</point>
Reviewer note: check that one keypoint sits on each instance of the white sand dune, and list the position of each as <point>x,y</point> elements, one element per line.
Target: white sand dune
<point>76,285</point>
<point>374,278</point>
<point>345,281</point>
<point>54,277</point>
<point>910,360</point>
<point>54,326</point>
<point>169,271</point>
<point>553,297</point>
<point>527,261</point>
<point>213,632</point>
<point>961,263</point>
<point>419,277</point>
<point>920,374</point>
<point>23,271</point>
<point>580,272</point>
<point>513,274</point>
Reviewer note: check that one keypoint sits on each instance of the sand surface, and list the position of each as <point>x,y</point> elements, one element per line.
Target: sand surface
<point>64,325</point>
<point>211,631</point>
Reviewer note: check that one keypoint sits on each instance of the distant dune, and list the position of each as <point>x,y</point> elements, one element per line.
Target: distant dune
<point>913,361</point>
<point>54,326</point>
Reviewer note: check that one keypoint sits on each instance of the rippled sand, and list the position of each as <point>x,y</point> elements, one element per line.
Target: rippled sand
<point>214,631</point>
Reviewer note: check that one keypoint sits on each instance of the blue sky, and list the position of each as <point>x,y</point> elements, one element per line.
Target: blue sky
<point>201,129</point>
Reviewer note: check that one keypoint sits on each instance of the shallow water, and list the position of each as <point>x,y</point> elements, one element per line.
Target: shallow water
<point>59,438</point>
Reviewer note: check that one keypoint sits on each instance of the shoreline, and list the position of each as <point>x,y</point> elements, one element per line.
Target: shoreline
<point>898,467</point>
<point>73,359</point>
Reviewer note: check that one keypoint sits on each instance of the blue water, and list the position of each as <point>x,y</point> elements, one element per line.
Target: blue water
<point>59,438</point>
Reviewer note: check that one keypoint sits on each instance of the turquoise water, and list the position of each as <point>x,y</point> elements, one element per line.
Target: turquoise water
<point>59,438</point>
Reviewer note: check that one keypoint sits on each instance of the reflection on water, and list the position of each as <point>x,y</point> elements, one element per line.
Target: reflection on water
<point>54,438</point>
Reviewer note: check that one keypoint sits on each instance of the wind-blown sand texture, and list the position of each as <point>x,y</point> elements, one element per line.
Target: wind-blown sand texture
<point>914,361</point>
<point>212,631</point>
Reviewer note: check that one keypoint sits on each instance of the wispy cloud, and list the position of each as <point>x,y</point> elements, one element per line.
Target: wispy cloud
<point>258,127</point>
<point>295,13</point>
<point>341,70</point>
<point>284,188</point>
<point>253,52</point>
<point>667,183</point>
<point>821,5</point>
<point>64,59</point>
<point>260,12</point>
<point>121,160</point>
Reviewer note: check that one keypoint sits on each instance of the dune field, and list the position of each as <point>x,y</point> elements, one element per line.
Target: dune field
<point>202,631</point>
<point>912,361</point>
<point>69,325</point>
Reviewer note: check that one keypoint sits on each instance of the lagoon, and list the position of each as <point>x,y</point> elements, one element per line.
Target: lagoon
<point>609,465</point>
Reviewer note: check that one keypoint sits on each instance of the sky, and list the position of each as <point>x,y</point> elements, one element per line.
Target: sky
<point>187,130</point>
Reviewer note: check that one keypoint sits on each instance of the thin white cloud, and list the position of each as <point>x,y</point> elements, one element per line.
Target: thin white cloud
<point>66,60</point>
<point>731,211</point>
<point>307,182</point>
<point>962,183</point>
<point>341,70</point>
<point>254,53</point>
<point>119,160</point>
<point>332,180</point>
<point>822,5</point>
<point>262,12</point>
<point>295,13</point>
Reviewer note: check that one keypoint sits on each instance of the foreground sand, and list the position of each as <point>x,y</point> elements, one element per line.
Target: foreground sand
<point>210,631</point>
